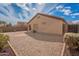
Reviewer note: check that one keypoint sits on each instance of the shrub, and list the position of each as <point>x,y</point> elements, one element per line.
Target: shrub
<point>72,40</point>
<point>3,41</point>
<point>34,31</point>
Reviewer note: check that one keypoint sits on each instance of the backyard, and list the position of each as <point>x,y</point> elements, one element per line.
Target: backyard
<point>30,44</point>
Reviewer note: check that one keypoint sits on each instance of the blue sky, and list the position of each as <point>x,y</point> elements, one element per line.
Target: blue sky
<point>13,12</point>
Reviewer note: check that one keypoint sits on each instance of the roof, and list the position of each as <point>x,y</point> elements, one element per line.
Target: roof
<point>58,18</point>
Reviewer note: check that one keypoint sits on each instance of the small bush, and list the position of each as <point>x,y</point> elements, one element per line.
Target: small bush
<point>34,31</point>
<point>3,41</point>
<point>72,40</point>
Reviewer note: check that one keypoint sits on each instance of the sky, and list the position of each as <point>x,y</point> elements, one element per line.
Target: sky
<point>13,12</point>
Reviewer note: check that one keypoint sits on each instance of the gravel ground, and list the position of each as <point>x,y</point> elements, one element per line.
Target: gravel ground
<point>34,44</point>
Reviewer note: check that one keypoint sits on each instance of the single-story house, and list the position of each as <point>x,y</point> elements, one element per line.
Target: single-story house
<point>45,23</point>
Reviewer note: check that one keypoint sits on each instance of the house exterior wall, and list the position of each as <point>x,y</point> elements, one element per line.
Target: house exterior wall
<point>47,25</point>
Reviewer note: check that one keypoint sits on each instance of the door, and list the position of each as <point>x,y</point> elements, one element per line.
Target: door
<point>35,27</point>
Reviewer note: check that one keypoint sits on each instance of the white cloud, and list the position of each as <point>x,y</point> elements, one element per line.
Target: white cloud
<point>67,11</point>
<point>10,12</point>
<point>20,15</point>
<point>31,10</point>
<point>5,4</point>
<point>75,14</point>
<point>12,19</point>
<point>40,7</point>
<point>12,15</point>
<point>52,8</point>
<point>25,13</point>
<point>59,7</point>
<point>41,3</point>
<point>68,7</point>
<point>76,21</point>
<point>3,10</point>
<point>23,6</point>
<point>34,9</point>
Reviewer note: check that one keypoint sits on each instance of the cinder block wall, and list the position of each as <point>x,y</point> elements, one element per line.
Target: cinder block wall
<point>12,29</point>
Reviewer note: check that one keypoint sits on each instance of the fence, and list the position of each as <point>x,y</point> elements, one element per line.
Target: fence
<point>12,29</point>
<point>71,28</point>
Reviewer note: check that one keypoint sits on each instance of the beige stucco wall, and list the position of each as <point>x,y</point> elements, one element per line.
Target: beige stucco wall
<point>47,25</point>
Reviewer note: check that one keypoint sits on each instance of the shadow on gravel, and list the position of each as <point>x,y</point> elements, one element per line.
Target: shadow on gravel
<point>46,37</point>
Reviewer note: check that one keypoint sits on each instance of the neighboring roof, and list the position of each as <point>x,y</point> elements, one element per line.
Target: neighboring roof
<point>47,16</point>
